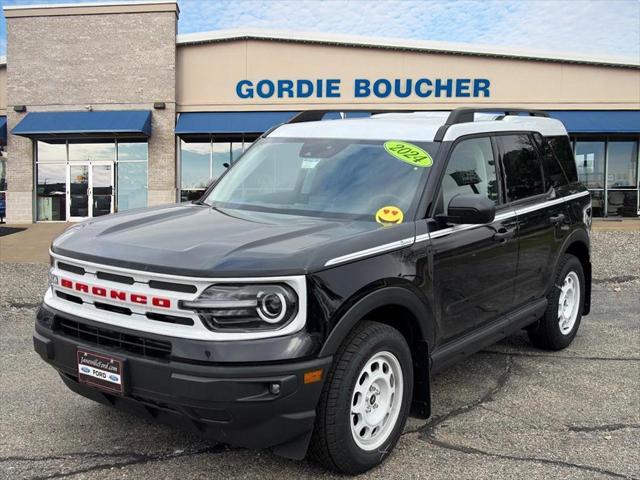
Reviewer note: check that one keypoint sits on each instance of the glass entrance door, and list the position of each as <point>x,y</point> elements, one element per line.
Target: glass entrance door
<point>101,192</point>
<point>89,190</point>
<point>78,192</point>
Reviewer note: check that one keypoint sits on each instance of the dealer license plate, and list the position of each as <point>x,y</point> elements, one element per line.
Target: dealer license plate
<point>100,371</point>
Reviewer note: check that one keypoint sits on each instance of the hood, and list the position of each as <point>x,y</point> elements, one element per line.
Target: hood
<point>197,240</point>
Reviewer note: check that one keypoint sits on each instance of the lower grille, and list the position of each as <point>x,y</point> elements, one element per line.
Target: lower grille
<point>113,340</point>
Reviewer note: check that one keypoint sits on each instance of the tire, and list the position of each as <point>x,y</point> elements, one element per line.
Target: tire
<point>558,327</point>
<point>334,443</point>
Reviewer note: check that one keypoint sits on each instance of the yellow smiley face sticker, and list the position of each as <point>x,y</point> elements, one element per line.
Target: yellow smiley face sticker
<point>389,215</point>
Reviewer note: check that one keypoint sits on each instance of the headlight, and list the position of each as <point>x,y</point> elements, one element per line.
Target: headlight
<point>239,307</point>
<point>53,278</point>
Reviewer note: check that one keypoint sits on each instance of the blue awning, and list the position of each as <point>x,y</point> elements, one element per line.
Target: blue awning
<point>599,121</point>
<point>3,130</point>
<point>228,123</point>
<point>85,124</point>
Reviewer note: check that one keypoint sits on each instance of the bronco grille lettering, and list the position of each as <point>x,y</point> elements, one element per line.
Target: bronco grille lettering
<point>120,295</point>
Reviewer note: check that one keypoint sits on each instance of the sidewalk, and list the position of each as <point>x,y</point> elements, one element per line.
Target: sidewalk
<point>29,243</point>
<point>616,225</point>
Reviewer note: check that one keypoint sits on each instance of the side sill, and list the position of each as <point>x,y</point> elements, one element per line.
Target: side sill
<point>458,349</point>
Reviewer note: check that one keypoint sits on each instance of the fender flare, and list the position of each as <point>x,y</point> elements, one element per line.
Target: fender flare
<point>582,236</point>
<point>380,298</point>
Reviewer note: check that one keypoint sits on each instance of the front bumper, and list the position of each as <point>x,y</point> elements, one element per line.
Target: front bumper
<point>232,403</point>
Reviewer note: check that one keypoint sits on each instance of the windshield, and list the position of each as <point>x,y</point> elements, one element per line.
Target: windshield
<point>327,178</point>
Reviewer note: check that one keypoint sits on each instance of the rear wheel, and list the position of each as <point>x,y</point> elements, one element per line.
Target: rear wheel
<point>557,329</point>
<point>365,401</point>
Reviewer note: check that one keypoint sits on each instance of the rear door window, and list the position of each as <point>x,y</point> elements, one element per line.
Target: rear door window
<point>554,175</point>
<point>522,165</point>
<point>562,150</point>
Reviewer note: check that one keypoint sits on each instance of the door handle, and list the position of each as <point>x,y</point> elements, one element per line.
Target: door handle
<point>504,234</point>
<point>557,219</point>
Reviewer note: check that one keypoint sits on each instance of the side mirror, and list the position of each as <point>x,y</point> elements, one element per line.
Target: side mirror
<point>472,209</point>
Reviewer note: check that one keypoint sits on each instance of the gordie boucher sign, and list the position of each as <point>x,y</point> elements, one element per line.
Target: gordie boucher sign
<point>366,88</point>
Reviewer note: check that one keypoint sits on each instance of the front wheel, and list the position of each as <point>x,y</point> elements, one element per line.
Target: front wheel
<point>557,329</point>
<point>365,401</point>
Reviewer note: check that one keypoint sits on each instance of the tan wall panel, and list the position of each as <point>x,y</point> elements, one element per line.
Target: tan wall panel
<point>3,90</point>
<point>207,75</point>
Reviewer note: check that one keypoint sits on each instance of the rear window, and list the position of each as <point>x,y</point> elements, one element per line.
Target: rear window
<point>554,175</point>
<point>522,167</point>
<point>561,148</point>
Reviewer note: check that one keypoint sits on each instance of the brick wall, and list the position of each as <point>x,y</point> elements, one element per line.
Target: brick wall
<point>109,61</point>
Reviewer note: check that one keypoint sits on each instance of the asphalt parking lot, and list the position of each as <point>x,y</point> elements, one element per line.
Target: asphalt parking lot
<point>508,412</point>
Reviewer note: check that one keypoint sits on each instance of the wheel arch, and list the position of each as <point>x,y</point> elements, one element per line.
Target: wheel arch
<point>401,309</point>
<point>577,244</point>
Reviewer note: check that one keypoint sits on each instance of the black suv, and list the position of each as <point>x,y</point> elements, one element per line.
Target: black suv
<point>305,301</point>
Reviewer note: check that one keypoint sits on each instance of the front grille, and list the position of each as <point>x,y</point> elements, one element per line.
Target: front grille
<point>113,340</point>
<point>112,277</point>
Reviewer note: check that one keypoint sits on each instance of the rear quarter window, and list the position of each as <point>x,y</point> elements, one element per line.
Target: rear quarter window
<point>561,148</point>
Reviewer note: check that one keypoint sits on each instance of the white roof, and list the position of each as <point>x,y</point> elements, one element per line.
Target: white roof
<point>88,4</point>
<point>402,44</point>
<point>415,126</point>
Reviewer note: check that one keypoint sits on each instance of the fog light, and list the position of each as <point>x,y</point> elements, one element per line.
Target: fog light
<point>274,388</point>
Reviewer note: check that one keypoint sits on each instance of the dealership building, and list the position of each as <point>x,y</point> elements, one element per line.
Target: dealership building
<point>104,107</point>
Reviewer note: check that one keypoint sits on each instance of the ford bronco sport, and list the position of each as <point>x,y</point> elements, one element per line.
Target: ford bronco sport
<point>305,301</point>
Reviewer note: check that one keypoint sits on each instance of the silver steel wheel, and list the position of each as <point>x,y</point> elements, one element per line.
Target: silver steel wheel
<point>376,400</point>
<point>569,303</point>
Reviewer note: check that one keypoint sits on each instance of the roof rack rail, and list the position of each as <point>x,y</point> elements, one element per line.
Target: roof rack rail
<point>317,115</point>
<point>466,115</point>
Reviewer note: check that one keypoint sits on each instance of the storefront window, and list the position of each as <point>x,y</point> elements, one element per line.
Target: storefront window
<point>77,179</point>
<point>132,185</point>
<point>51,192</point>
<point>131,151</point>
<point>196,168</point>
<point>622,165</point>
<point>206,160</point>
<point>236,150</point>
<point>590,163</point>
<point>612,178</point>
<point>3,173</point>
<point>52,152</point>
<point>3,184</point>
<point>92,152</point>
<point>622,179</point>
<point>221,158</point>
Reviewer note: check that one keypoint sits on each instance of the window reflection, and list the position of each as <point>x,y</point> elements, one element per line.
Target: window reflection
<point>3,174</point>
<point>51,191</point>
<point>196,157</point>
<point>590,163</point>
<point>236,150</point>
<point>204,161</point>
<point>132,185</point>
<point>622,165</point>
<point>221,158</point>
<point>52,152</point>
<point>92,152</point>
<point>471,170</point>
<point>523,168</point>
<point>622,203</point>
<point>132,150</point>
